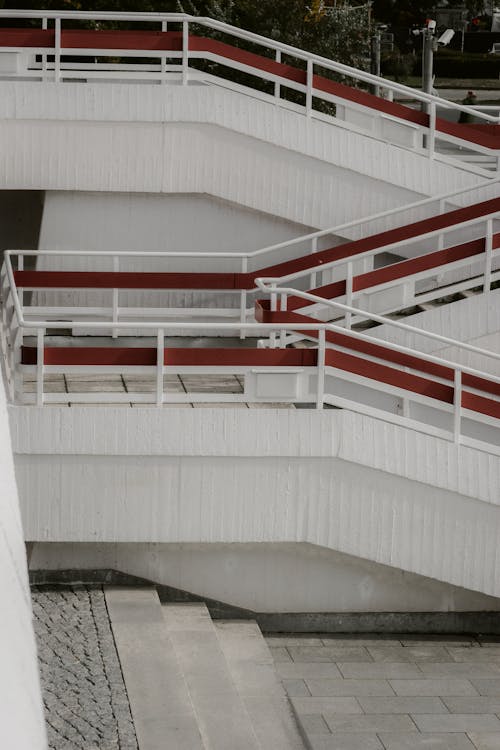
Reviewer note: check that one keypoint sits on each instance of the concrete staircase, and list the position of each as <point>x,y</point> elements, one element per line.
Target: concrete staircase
<point>194,684</point>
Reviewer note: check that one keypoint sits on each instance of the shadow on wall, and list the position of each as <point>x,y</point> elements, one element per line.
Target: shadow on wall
<point>20,219</point>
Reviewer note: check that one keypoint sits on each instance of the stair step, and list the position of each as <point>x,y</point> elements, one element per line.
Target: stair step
<point>160,703</point>
<point>254,675</point>
<point>223,719</point>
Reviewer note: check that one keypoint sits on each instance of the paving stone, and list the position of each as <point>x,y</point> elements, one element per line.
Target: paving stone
<point>314,724</point>
<point>485,740</point>
<point>328,687</point>
<point>427,741</point>
<point>487,655</point>
<point>261,405</point>
<point>329,653</point>
<point>221,405</point>
<point>333,640</point>
<point>277,640</point>
<point>410,653</point>
<point>314,670</point>
<point>86,704</point>
<point>339,705</point>
<point>343,741</point>
<point>467,670</point>
<point>369,723</point>
<point>426,687</point>
<point>280,655</point>
<point>211,384</point>
<point>381,670</point>
<point>470,705</point>
<point>486,686</point>
<point>296,688</point>
<point>402,705</point>
<point>457,722</point>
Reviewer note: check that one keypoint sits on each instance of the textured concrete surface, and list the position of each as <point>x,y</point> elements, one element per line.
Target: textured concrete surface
<point>86,704</point>
<point>396,693</point>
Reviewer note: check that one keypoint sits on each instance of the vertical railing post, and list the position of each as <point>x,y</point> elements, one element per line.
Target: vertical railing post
<point>44,56</point>
<point>348,294</point>
<point>320,390</point>
<point>163,59</point>
<point>116,267</point>
<point>309,91</point>
<point>431,140</point>
<point>57,51</point>
<point>274,308</point>
<point>160,365</point>
<point>313,276</point>
<point>457,405</point>
<point>442,204</point>
<point>185,51</point>
<point>488,249</point>
<point>20,290</point>
<point>243,299</point>
<point>283,308</point>
<point>277,85</point>
<point>39,366</point>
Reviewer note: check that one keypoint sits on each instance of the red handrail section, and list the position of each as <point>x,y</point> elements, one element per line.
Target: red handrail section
<point>171,41</point>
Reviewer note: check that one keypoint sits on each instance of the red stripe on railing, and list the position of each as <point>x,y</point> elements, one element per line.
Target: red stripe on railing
<point>487,406</point>
<point>127,356</point>
<point>124,280</point>
<point>172,41</point>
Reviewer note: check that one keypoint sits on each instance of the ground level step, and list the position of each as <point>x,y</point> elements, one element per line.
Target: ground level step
<point>160,703</point>
<point>223,719</point>
<point>254,675</point>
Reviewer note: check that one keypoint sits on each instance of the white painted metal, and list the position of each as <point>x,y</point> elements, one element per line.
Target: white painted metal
<point>21,712</point>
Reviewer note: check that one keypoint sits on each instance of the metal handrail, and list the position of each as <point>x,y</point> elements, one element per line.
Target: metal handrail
<point>256,39</point>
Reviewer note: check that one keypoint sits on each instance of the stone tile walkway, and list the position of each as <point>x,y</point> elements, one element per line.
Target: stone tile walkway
<point>86,704</point>
<point>172,384</point>
<point>392,693</point>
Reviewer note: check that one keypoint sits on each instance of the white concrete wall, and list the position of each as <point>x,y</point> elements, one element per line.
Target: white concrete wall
<point>336,479</point>
<point>142,138</point>
<point>289,577</point>
<point>21,716</point>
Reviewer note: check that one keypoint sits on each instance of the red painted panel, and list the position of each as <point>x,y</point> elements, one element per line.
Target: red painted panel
<point>483,405</point>
<point>481,384</point>
<point>123,280</point>
<point>116,356</point>
<point>390,376</point>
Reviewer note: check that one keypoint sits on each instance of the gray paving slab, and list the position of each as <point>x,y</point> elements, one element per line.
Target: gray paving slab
<point>438,686</point>
<point>296,688</point>
<point>467,670</point>
<point>457,722</point>
<point>329,653</point>
<point>280,654</point>
<point>402,705</point>
<point>427,741</point>
<point>485,740</point>
<point>471,705</point>
<point>343,741</point>
<point>159,699</point>
<point>285,641</point>
<point>474,655</point>
<point>252,669</point>
<point>328,687</point>
<point>333,640</point>
<point>336,705</point>
<point>432,653</point>
<point>314,724</point>
<point>223,719</point>
<point>381,670</point>
<point>487,686</point>
<point>292,670</point>
<point>374,723</point>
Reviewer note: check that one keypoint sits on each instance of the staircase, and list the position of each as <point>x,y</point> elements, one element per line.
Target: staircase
<point>195,684</point>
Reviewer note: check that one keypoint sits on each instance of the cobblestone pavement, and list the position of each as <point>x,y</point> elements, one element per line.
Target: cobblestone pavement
<point>86,703</point>
<point>395,693</point>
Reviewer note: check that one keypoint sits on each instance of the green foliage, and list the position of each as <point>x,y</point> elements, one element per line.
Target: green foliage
<point>397,65</point>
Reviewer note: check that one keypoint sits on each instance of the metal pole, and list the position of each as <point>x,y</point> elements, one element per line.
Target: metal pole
<point>427,61</point>
<point>375,59</point>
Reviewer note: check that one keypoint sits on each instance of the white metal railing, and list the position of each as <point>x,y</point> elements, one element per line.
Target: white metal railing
<point>482,264</point>
<point>60,69</point>
<point>321,389</point>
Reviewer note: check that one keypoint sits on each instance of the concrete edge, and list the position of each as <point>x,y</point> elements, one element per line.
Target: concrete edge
<point>478,623</point>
